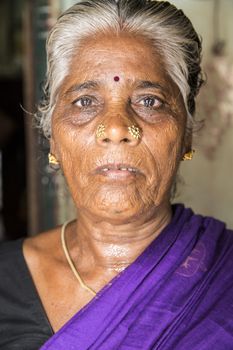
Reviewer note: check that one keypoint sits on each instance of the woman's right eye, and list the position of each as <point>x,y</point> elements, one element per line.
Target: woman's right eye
<point>83,102</point>
<point>85,108</point>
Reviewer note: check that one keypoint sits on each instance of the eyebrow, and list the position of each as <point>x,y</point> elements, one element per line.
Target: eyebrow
<point>144,84</point>
<point>90,84</point>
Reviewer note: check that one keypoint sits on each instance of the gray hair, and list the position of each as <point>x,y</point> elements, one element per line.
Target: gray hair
<point>167,27</point>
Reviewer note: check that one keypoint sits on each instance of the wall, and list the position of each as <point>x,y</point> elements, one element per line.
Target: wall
<point>208,183</point>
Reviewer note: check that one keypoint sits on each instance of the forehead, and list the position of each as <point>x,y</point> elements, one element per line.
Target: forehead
<point>116,53</point>
<point>121,44</point>
<point>131,57</point>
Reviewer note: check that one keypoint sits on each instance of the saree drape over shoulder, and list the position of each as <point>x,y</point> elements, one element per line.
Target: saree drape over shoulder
<point>177,295</point>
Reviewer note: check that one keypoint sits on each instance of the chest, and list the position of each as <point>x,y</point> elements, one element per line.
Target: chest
<point>61,294</point>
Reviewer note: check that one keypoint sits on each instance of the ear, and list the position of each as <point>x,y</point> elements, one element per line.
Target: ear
<point>188,141</point>
<point>53,148</point>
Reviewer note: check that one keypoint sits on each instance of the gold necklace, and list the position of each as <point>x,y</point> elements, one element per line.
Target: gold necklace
<point>70,262</point>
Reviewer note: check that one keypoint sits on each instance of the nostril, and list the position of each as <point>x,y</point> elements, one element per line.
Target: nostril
<point>106,140</point>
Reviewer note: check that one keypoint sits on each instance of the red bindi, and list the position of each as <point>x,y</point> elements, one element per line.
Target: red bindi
<point>116,78</point>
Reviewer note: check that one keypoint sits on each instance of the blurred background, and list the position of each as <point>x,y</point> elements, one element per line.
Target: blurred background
<point>33,197</point>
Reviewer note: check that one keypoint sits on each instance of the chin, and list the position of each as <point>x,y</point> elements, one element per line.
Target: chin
<point>120,213</point>
<point>119,205</point>
<point>117,217</point>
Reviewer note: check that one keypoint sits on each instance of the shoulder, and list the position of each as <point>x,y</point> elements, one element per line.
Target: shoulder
<point>16,257</point>
<point>10,247</point>
<point>214,250</point>
<point>216,237</point>
<point>10,253</point>
<point>216,233</point>
<point>13,270</point>
<point>23,323</point>
<point>203,225</point>
<point>43,247</point>
<point>210,242</point>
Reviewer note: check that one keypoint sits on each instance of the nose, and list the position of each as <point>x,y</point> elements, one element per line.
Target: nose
<point>118,130</point>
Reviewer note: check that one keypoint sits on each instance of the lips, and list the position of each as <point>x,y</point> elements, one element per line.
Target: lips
<point>121,167</point>
<point>117,170</point>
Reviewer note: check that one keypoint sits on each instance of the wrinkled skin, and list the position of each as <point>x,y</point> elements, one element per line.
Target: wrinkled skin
<point>120,211</point>
<point>118,105</point>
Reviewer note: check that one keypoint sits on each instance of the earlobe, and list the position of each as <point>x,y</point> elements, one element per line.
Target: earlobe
<point>187,146</point>
<point>53,149</point>
<point>188,155</point>
<point>53,161</point>
<point>188,139</point>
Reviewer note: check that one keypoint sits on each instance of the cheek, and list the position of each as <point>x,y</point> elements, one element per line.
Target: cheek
<point>164,149</point>
<point>158,153</point>
<point>72,149</point>
<point>165,143</point>
<point>70,138</point>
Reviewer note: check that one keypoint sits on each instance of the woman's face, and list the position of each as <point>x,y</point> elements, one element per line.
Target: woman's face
<point>116,176</point>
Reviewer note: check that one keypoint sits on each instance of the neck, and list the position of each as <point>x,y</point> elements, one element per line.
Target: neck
<point>100,245</point>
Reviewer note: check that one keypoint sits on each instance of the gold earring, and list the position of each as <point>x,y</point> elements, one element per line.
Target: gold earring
<point>52,159</point>
<point>189,155</point>
<point>134,131</point>
<point>100,131</point>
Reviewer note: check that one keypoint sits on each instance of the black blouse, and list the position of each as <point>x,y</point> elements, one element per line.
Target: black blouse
<point>23,321</point>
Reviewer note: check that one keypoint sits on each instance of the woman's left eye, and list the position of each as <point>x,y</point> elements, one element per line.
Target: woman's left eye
<point>151,102</point>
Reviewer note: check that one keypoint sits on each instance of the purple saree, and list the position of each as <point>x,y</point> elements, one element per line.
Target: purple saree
<point>177,295</point>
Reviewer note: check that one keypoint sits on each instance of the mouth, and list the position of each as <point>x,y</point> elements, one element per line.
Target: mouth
<point>118,171</point>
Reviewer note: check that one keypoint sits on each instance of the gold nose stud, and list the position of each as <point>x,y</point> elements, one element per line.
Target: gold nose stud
<point>100,131</point>
<point>134,131</point>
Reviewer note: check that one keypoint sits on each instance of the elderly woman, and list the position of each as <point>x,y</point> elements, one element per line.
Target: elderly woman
<point>132,271</point>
